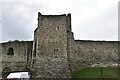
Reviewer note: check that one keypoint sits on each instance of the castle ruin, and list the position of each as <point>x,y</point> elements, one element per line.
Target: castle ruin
<point>54,53</point>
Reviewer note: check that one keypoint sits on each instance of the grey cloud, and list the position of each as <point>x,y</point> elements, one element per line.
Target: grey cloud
<point>102,27</point>
<point>19,20</point>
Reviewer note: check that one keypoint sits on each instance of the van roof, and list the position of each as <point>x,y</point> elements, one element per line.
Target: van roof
<point>17,75</point>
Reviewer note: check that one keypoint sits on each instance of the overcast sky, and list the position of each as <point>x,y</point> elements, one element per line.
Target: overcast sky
<point>91,19</point>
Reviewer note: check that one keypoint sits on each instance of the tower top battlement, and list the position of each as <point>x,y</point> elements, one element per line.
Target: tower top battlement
<point>56,20</point>
<point>39,14</point>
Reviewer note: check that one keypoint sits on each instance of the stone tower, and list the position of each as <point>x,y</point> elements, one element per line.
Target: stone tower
<point>50,46</point>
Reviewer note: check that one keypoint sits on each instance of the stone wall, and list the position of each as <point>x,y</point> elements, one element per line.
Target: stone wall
<point>0,60</point>
<point>54,51</point>
<point>51,47</point>
<point>86,53</point>
<point>16,55</point>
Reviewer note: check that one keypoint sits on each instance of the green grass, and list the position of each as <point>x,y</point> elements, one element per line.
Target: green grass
<point>95,73</point>
<point>107,73</point>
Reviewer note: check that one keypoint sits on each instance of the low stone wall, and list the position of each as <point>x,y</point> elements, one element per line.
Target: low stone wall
<point>87,53</point>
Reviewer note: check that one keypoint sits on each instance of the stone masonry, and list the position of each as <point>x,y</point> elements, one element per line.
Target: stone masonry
<point>16,56</point>
<point>54,52</point>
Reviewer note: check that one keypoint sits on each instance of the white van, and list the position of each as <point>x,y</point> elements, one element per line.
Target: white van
<point>20,75</point>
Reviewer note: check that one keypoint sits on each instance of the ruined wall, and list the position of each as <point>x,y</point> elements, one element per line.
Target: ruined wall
<point>51,47</point>
<point>54,52</point>
<point>16,55</point>
<point>86,53</point>
<point>0,60</point>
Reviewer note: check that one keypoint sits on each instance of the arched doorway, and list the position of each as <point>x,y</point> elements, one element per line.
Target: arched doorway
<point>5,72</point>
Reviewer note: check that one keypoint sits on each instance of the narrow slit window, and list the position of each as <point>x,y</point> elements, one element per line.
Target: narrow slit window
<point>55,51</point>
<point>57,28</point>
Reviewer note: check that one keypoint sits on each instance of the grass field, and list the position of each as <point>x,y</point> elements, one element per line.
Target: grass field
<point>96,72</point>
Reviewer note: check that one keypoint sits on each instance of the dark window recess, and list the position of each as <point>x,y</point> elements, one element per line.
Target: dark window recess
<point>55,51</point>
<point>10,51</point>
<point>35,50</point>
<point>75,51</point>
<point>58,28</point>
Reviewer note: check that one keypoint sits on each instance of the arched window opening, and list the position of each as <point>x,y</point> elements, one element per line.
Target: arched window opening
<point>7,69</point>
<point>10,51</point>
<point>5,72</point>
